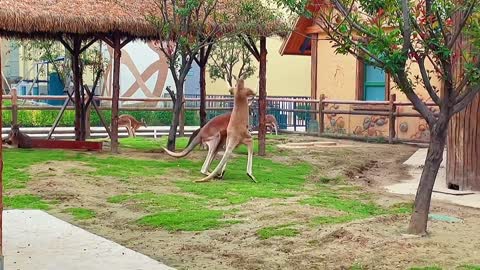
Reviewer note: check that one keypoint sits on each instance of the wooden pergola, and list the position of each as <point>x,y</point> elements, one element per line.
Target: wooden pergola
<point>78,25</point>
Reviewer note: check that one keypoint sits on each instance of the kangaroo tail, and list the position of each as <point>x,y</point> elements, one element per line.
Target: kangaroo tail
<point>194,141</point>
<point>194,134</point>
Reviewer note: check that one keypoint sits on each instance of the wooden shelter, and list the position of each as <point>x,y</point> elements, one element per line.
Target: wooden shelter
<point>78,24</point>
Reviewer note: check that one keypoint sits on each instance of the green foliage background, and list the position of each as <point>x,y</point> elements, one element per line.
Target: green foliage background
<point>46,118</point>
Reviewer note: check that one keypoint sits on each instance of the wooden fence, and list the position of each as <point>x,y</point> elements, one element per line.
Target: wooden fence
<point>291,112</point>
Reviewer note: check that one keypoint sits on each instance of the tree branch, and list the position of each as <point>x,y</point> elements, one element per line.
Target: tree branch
<point>172,94</point>
<point>426,81</point>
<point>402,81</point>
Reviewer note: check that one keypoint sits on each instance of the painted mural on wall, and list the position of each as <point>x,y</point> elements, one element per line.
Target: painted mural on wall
<point>335,123</point>
<point>414,128</point>
<point>372,126</point>
<point>408,128</point>
<point>144,72</point>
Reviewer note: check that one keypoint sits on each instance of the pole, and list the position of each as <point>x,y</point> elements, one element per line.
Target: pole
<point>321,120</point>
<point>14,94</point>
<point>117,53</point>
<point>76,87</point>
<point>391,120</point>
<point>262,97</point>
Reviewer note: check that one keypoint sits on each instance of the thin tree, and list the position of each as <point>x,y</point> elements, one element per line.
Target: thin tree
<point>231,60</point>
<point>185,27</point>
<point>423,34</point>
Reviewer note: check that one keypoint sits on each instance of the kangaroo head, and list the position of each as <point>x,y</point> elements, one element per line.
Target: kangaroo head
<point>242,91</point>
<point>143,122</point>
<point>15,130</point>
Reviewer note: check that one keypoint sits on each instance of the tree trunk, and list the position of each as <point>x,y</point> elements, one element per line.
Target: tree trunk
<point>262,97</point>
<point>203,95</point>
<point>418,222</point>
<point>177,110</point>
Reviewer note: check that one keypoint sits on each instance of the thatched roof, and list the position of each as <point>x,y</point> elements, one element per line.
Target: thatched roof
<point>50,18</point>
<point>44,18</point>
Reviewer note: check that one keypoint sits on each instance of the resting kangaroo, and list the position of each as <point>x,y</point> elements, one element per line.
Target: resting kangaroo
<point>271,122</point>
<point>237,131</point>
<point>17,139</point>
<point>213,134</point>
<point>130,123</point>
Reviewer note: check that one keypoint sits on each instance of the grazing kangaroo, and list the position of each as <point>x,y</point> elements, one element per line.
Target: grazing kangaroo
<point>237,131</point>
<point>213,135</point>
<point>17,139</point>
<point>132,124</point>
<point>271,122</point>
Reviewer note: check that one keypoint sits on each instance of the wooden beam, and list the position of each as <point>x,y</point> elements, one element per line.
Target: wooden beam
<point>262,97</point>
<point>66,45</point>
<point>77,42</point>
<point>107,40</point>
<point>70,145</point>
<point>314,29</point>
<point>314,67</point>
<point>125,42</point>
<point>117,52</point>
<point>90,43</point>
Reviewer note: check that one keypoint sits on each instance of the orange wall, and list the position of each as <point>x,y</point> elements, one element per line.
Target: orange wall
<point>337,80</point>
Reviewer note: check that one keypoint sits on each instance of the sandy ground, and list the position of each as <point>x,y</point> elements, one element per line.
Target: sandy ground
<point>377,243</point>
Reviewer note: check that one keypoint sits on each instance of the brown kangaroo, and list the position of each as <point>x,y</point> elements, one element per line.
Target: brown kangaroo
<point>237,131</point>
<point>132,124</point>
<point>271,122</point>
<point>17,139</point>
<point>213,135</point>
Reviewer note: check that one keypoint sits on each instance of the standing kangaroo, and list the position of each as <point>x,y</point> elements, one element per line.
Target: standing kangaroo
<point>271,122</point>
<point>17,139</point>
<point>132,124</point>
<point>237,131</point>
<point>213,135</point>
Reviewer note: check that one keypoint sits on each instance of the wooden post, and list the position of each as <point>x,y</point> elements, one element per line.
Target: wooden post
<point>14,94</point>
<point>392,118</point>
<point>77,42</point>
<point>321,117</point>
<point>87,121</point>
<point>117,53</point>
<point>262,97</point>
<point>181,128</point>
<point>1,169</point>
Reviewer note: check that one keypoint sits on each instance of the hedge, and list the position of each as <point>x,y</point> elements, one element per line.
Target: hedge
<point>47,117</point>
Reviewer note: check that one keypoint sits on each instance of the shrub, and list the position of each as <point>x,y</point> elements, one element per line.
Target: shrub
<point>29,118</point>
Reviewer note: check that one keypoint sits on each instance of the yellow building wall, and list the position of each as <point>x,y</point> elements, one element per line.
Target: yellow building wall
<point>286,75</point>
<point>337,75</point>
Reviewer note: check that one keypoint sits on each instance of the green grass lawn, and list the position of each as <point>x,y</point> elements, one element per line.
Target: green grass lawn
<point>199,206</point>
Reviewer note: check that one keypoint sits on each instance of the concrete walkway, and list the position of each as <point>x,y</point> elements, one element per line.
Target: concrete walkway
<point>35,240</point>
<point>440,191</point>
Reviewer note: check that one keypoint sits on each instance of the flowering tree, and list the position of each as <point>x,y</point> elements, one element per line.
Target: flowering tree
<point>440,39</point>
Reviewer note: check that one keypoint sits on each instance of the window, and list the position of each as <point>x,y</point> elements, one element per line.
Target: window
<point>372,83</point>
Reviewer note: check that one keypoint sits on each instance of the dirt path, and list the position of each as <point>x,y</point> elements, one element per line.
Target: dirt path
<point>372,243</point>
